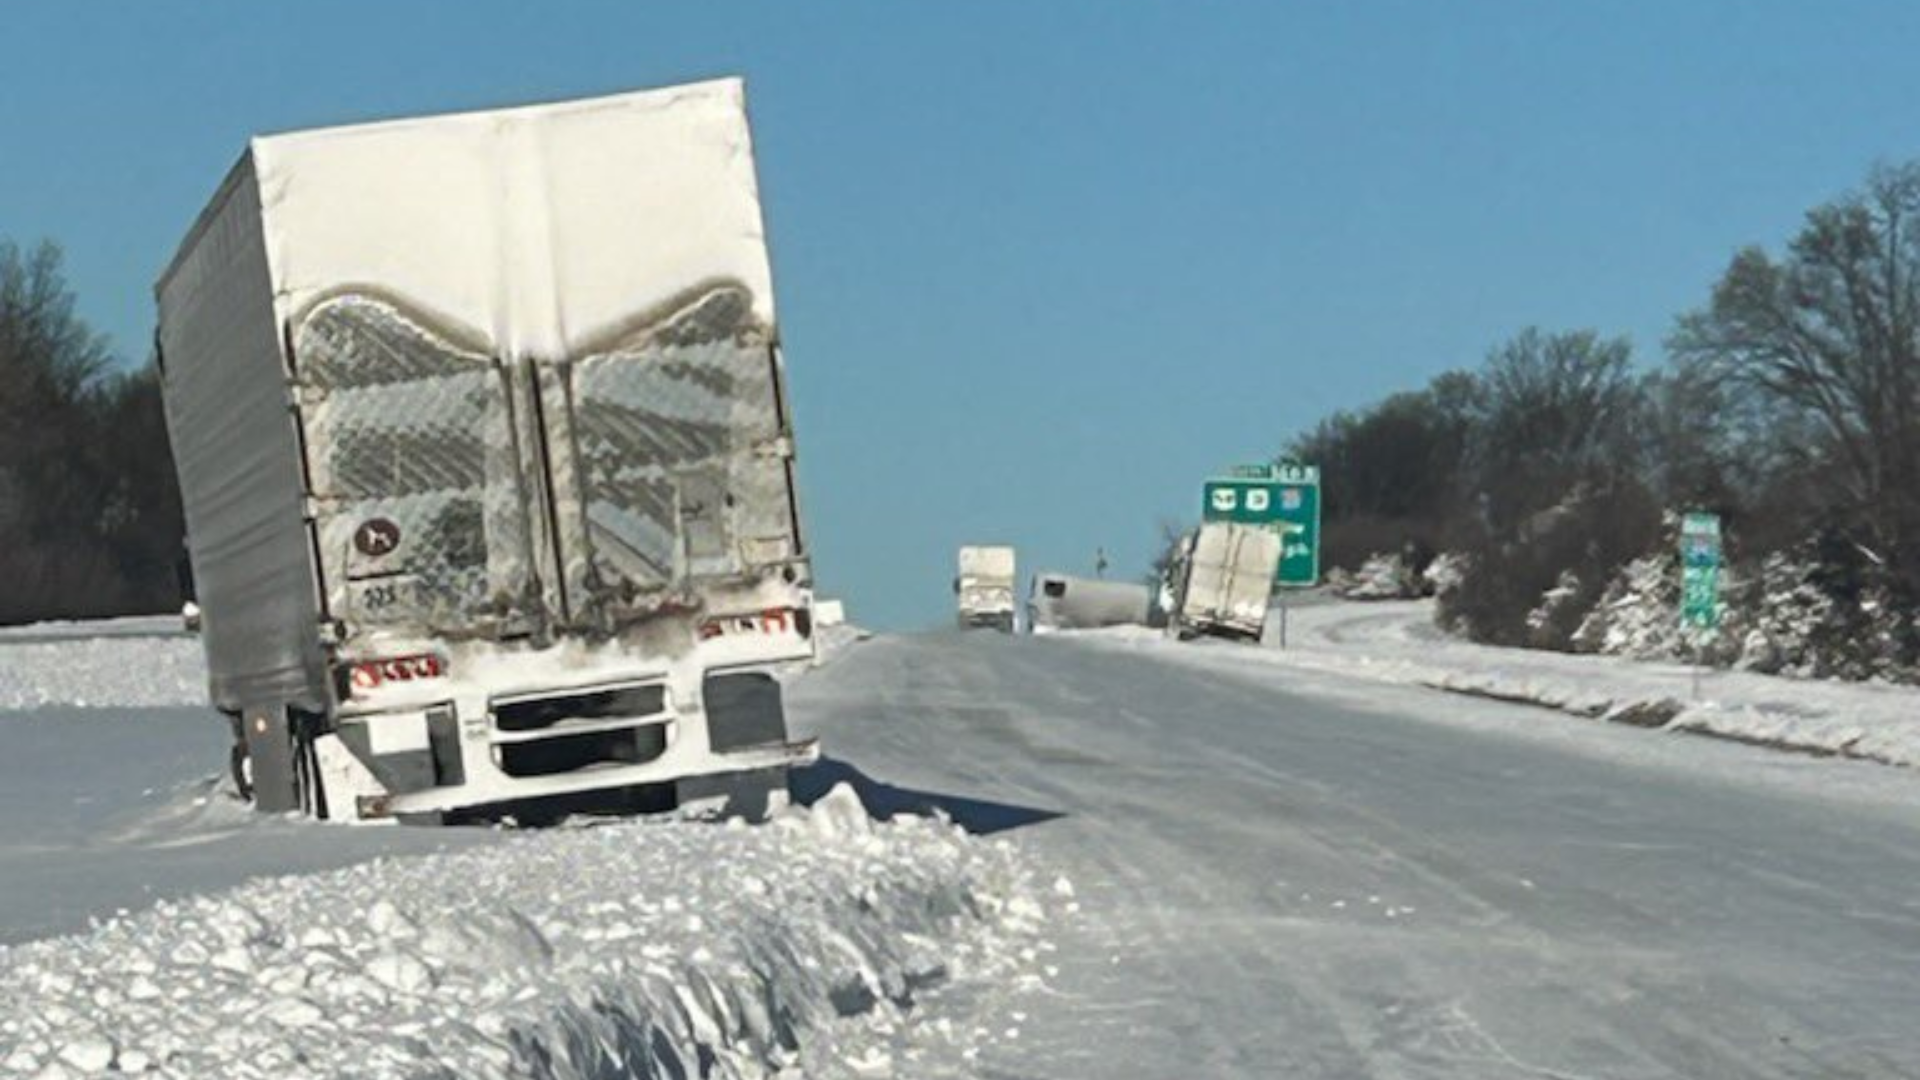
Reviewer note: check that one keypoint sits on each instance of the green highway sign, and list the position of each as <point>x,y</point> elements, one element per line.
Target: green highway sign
<point>1284,497</point>
<point>1700,571</point>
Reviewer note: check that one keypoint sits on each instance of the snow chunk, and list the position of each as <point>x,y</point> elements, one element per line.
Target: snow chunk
<point>840,813</point>
<point>88,1054</point>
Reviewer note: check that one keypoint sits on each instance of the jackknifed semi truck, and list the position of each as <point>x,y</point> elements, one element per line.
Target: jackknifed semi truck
<point>488,468</point>
<point>1223,576</point>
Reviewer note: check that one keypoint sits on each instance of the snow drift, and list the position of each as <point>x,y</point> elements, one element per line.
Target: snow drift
<point>631,949</point>
<point>1399,642</point>
<point>130,671</point>
<point>1788,613</point>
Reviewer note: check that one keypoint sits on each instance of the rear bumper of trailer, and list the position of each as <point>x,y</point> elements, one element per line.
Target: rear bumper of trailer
<point>441,800</point>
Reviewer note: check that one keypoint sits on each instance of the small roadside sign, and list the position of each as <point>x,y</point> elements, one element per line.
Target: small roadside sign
<point>1700,571</point>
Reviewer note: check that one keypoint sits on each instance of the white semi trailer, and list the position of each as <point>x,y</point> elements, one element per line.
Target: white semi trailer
<point>1223,580</point>
<point>984,587</point>
<point>482,433</point>
<point>1063,602</point>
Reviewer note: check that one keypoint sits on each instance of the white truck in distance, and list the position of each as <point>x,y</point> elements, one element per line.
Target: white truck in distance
<point>1223,581</point>
<point>482,433</point>
<point>984,587</point>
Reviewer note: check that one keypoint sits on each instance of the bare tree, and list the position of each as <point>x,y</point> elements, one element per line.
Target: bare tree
<point>89,516</point>
<point>1554,410</point>
<point>1166,552</point>
<point>1832,330</point>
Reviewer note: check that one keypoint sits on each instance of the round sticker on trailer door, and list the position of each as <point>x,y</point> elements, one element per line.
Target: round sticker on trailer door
<point>376,537</point>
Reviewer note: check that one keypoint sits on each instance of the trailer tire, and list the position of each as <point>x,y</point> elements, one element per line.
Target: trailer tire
<point>277,768</point>
<point>242,772</point>
<point>237,767</point>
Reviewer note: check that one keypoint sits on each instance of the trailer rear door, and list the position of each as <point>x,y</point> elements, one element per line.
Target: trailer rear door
<point>420,507</point>
<point>1231,576</point>
<point>672,458</point>
<point>1255,558</point>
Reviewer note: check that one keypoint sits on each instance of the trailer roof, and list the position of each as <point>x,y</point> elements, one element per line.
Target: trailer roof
<point>546,229</point>
<point>652,98</point>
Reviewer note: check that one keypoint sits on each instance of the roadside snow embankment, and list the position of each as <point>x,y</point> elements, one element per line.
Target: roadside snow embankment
<point>637,949</point>
<point>831,641</point>
<point>1397,642</point>
<point>107,670</point>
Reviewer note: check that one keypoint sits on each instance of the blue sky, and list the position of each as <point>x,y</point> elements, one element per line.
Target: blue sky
<point>1042,266</point>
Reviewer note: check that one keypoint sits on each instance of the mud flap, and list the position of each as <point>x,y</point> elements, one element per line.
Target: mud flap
<point>352,788</point>
<point>273,759</point>
<point>743,709</point>
<point>755,795</point>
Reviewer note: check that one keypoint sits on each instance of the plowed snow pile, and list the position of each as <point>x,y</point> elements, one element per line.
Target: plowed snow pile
<point>1397,642</point>
<point>632,949</point>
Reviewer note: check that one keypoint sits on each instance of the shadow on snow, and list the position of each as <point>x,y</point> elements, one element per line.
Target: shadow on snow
<point>882,800</point>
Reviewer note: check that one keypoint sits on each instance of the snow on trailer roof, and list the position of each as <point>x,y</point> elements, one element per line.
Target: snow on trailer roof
<point>237,172</point>
<point>995,559</point>
<point>646,97</point>
<point>542,227</point>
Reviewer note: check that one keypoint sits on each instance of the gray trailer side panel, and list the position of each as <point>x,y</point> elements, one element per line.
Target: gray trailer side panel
<point>238,456</point>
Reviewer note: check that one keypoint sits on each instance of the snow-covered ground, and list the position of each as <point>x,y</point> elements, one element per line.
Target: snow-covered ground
<point>1397,642</point>
<point>1178,860</point>
<point>831,641</point>
<point>125,626</point>
<point>633,949</point>
<point>1299,873</point>
<point>157,925</point>
<point>118,663</point>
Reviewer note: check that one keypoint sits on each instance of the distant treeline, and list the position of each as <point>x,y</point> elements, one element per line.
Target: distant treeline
<point>1789,403</point>
<point>89,511</point>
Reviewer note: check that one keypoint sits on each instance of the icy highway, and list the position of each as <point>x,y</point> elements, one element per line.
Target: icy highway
<point>1287,874</point>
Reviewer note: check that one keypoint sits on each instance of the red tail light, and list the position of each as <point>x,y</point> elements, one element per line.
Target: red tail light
<point>769,621</point>
<point>369,674</point>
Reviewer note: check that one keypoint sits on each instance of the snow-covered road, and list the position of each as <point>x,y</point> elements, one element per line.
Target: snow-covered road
<point>1284,872</point>
<point>1187,860</point>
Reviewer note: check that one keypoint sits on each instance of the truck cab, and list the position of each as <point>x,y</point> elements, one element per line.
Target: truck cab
<point>984,588</point>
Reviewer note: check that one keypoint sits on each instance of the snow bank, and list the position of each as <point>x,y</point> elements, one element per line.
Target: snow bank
<point>1383,576</point>
<point>1123,632</point>
<point>111,670</point>
<point>834,639</point>
<point>1396,641</point>
<point>121,626</point>
<point>1790,613</point>
<point>636,949</point>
